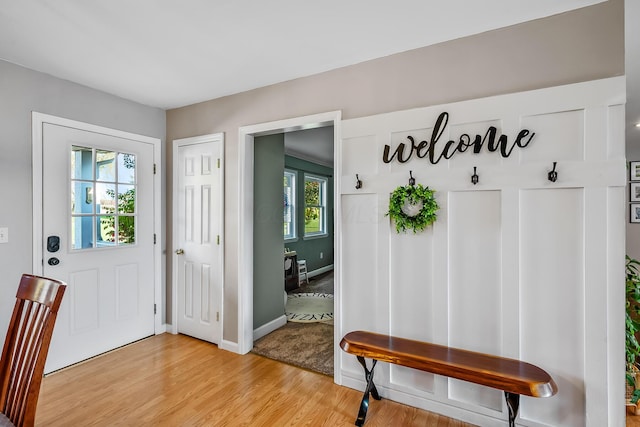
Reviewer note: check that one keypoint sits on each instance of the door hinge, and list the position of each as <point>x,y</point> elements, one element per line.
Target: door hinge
<point>218,163</point>
<point>154,168</point>
<point>218,239</point>
<point>217,316</point>
<point>154,238</point>
<point>154,309</point>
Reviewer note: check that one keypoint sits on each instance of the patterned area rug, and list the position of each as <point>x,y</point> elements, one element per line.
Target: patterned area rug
<point>307,345</point>
<point>309,307</point>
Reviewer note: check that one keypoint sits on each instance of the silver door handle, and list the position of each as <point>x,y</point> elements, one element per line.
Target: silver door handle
<point>179,252</point>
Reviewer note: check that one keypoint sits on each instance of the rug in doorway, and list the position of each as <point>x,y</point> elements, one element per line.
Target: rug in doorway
<point>309,307</point>
<point>306,345</point>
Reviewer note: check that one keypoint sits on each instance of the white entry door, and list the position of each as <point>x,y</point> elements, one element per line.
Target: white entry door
<point>98,236</point>
<point>198,254</point>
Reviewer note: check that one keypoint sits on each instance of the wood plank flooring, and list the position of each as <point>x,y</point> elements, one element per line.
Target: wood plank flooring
<point>175,380</point>
<point>632,419</point>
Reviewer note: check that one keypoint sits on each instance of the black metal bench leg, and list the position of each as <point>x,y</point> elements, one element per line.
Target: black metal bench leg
<point>368,376</point>
<point>513,403</point>
<point>370,389</point>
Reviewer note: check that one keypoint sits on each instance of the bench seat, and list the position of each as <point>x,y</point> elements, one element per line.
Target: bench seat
<point>512,376</point>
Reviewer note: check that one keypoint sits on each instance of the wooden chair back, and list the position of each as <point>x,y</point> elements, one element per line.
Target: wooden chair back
<point>26,346</point>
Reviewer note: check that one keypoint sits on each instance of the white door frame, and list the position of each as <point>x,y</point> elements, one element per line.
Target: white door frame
<point>37,122</point>
<point>214,137</point>
<point>246,137</point>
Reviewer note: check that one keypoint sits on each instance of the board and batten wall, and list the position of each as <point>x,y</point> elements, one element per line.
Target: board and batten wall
<point>516,265</point>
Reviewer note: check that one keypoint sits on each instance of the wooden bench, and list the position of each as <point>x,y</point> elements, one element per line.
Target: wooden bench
<point>512,376</point>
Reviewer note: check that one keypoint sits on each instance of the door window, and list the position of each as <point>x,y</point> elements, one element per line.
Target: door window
<point>103,198</point>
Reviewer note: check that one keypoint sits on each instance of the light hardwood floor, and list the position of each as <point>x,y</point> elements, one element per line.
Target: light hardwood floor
<point>174,380</point>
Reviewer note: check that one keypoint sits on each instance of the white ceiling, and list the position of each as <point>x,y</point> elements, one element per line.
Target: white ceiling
<point>170,53</point>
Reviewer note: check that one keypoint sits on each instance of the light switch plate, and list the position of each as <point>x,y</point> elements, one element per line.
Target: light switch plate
<point>4,235</point>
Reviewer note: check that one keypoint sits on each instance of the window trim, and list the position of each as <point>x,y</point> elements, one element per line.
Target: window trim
<point>324,180</point>
<point>293,237</point>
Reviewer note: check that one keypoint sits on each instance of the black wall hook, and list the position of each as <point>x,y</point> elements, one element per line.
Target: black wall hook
<point>358,182</point>
<point>474,178</point>
<point>553,175</point>
<point>412,180</point>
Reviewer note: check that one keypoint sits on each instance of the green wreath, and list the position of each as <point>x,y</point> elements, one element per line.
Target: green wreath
<point>405,209</point>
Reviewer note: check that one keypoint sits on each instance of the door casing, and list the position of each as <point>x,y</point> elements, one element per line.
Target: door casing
<point>246,136</point>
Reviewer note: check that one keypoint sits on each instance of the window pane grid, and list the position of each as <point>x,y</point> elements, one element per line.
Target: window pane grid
<point>315,205</point>
<point>103,198</point>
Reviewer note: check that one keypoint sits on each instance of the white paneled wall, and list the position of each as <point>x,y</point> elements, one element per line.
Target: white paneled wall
<point>516,265</point>
<point>552,298</point>
<point>475,288</point>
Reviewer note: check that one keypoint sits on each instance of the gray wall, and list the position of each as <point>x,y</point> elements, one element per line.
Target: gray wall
<point>268,247</point>
<point>21,92</point>
<point>311,249</point>
<point>576,46</point>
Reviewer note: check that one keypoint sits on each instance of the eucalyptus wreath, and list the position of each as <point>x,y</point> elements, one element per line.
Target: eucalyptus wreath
<point>410,197</point>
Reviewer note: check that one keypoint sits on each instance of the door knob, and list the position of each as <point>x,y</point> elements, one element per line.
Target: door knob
<point>179,252</point>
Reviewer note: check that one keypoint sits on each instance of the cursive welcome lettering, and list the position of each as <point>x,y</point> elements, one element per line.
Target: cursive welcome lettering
<point>428,148</point>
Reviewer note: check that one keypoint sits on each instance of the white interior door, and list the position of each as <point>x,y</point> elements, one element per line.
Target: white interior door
<point>197,236</point>
<point>98,236</point>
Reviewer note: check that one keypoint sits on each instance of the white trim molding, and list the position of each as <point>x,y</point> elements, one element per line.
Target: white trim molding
<point>269,327</point>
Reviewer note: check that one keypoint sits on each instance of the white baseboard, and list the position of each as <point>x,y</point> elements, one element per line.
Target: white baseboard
<point>229,346</point>
<point>321,270</point>
<point>267,328</point>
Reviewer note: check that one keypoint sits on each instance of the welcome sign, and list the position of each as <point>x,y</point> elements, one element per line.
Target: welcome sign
<point>434,152</point>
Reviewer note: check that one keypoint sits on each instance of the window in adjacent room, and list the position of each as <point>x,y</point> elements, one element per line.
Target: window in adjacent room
<point>315,206</point>
<point>289,204</point>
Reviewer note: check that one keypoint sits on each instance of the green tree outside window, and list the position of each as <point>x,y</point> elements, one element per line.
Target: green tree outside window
<point>315,205</point>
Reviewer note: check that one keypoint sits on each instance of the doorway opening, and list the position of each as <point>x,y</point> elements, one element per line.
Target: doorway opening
<point>246,220</point>
<point>296,167</point>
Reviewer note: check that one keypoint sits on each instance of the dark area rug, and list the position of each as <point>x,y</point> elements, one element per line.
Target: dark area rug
<point>307,345</point>
<point>322,284</point>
